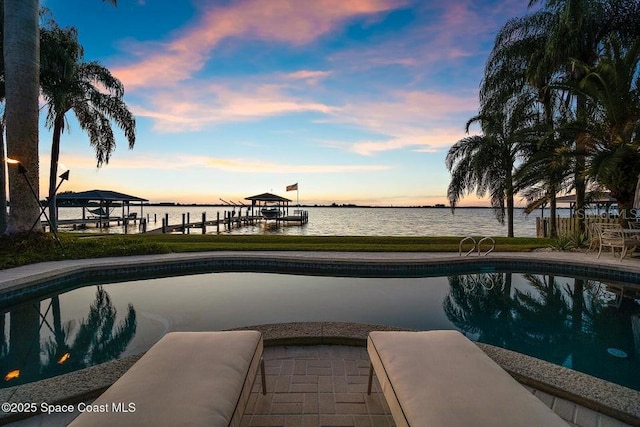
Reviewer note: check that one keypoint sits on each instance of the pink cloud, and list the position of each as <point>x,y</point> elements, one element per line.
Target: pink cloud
<point>202,105</point>
<point>309,76</point>
<point>285,21</point>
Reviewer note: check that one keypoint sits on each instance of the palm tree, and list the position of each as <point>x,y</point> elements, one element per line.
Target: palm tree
<point>86,88</point>
<point>548,158</point>
<point>21,66</point>
<point>612,91</point>
<point>21,63</point>
<point>486,163</point>
<point>515,70</point>
<point>577,36</point>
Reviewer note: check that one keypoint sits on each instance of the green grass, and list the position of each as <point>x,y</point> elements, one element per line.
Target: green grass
<point>18,251</point>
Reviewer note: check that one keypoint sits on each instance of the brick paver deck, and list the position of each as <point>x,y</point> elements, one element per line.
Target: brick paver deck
<point>317,386</point>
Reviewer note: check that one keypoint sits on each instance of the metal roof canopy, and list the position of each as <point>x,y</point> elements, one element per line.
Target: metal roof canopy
<point>99,195</point>
<point>267,197</point>
<point>590,198</point>
<point>104,197</point>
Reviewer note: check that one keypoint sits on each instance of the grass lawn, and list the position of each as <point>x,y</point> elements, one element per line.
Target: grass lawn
<point>19,251</point>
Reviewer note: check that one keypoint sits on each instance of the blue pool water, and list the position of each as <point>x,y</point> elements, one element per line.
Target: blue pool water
<point>587,325</point>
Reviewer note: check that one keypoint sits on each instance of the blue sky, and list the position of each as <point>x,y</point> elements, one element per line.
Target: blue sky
<point>357,101</point>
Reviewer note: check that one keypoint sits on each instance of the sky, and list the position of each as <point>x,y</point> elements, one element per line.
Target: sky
<point>357,101</point>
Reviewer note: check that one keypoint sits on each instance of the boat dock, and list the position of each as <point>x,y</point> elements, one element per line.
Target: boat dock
<point>228,221</point>
<point>265,208</point>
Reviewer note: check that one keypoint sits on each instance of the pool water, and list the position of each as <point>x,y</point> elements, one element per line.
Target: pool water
<point>587,325</point>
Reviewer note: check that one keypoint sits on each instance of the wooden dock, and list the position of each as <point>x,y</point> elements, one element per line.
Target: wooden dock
<point>228,222</point>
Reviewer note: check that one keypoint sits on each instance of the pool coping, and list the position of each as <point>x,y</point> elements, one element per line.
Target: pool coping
<point>611,399</point>
<point>35,279</point>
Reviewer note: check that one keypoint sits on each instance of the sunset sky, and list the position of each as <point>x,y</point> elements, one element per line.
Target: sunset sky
<point>358,101</point>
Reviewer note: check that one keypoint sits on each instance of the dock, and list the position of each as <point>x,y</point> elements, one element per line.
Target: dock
<point>229,221</point>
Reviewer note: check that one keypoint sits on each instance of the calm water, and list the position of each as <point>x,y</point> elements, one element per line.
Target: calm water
<point>331,221</point>
<point>581,324</point>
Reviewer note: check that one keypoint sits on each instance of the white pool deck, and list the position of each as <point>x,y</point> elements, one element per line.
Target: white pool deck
<point>325,385</point>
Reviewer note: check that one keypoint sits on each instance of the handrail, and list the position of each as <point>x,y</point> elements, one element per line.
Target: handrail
<point>470,250</point>
<point>493,245</point>
<point>476,246</point>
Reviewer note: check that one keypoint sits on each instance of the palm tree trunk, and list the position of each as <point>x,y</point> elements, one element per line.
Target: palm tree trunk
<point>3,183</point>
<point>53,171</point>
<point>579,181</point>
<point>510,208</point>
<point>553,216</point>
<point>22,67</point>
<point>636,199</point>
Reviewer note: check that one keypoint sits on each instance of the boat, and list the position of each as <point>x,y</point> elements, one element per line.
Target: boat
<point>271,212</point>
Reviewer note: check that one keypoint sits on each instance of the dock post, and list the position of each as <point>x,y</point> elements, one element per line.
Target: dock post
<point>164,228</point>
<point>184,224</point>
<point>166,221</point>
<point>155,218</point>
<point>143,224</point>
<point>218,222</point>
<point>125,224</point>
<point>189,222</point>
<point>204,222</point>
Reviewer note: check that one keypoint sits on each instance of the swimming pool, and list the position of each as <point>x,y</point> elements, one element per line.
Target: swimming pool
<point>591,326</point>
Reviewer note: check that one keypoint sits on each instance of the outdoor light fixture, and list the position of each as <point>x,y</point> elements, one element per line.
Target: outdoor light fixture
<point>54,228</point>
<point>21,169</point>
<point>63,177</point>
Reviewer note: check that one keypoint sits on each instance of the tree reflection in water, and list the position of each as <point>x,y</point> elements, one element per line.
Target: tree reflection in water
<point>570,322</point>
<point>95,339</point>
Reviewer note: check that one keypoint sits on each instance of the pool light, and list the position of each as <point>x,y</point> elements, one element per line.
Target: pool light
<point>12,375</point>
<point>616,352</point>
<point>64,358</point>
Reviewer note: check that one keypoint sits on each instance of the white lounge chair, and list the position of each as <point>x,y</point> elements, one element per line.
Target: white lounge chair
<point>441,378</point>
<point>186,378</point>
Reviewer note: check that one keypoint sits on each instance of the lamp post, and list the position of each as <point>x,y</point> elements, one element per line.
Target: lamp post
<point>63,177</point>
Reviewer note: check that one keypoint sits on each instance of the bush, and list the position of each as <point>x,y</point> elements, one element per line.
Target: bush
<point>562,243</point>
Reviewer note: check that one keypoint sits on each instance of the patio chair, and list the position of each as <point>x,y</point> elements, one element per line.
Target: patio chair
<point>594,235</point>
<point>612,236</point>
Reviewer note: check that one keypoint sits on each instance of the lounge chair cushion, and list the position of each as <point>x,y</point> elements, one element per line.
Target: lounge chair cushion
<point>441,378</point>
<point>186,378</point>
